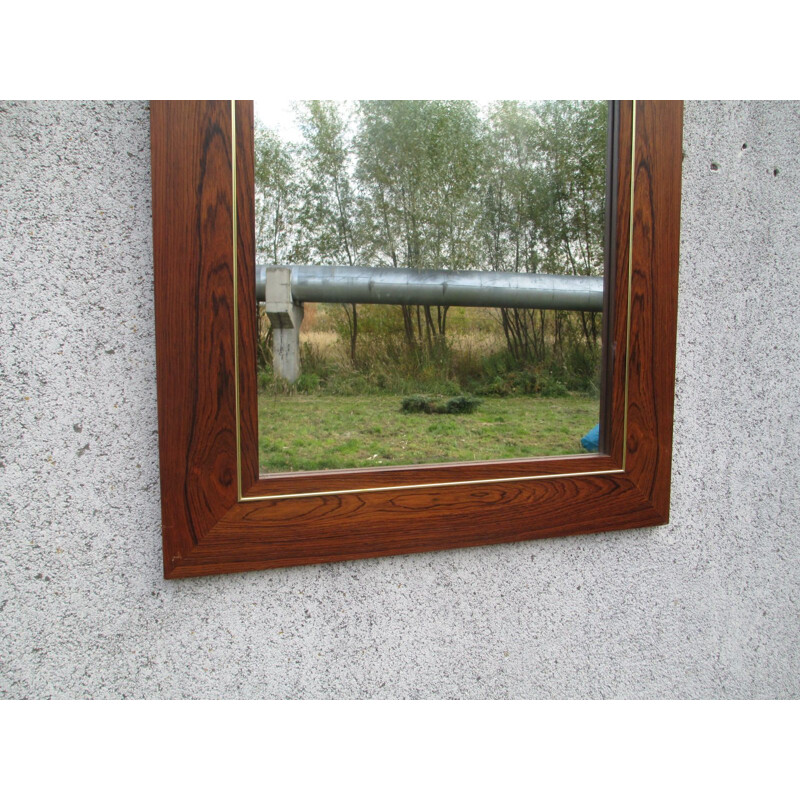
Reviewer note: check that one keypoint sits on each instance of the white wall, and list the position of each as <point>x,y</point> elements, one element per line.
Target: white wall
<point>707,606</point>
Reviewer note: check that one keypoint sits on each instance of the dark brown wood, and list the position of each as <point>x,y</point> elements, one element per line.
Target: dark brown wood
<point>208,530</point>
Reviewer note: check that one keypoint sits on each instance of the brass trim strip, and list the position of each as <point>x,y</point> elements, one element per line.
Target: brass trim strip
<point>431,485</point>
<point>298,495</point>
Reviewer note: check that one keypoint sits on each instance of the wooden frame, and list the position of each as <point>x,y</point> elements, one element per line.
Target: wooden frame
<point>220,516</point>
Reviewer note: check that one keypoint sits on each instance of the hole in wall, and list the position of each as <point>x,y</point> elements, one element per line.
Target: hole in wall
<point>714,166</point>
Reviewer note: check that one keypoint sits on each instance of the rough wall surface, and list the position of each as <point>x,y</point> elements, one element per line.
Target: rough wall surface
<point>705,607</point>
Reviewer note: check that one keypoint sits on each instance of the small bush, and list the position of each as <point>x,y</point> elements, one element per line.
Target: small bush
<point>462,405</point>
<point>582,369</point>
<point>551,387</point>
<point>269,382</point>
<point>417,404</point>
<point>307,382</point>
<point>497,387</point>
<point>420,404</point>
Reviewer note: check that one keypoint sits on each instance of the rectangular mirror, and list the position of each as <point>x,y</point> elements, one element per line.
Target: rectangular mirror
<point>430,279</point>
<point>222,513</point>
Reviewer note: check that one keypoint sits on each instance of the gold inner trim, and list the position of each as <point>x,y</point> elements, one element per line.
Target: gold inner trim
<point>297,495</point>
<point>432,485</point>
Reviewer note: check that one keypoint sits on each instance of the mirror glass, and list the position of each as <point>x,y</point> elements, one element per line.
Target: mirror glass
<point>429,280</point>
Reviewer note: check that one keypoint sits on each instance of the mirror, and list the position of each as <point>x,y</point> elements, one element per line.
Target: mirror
<point>220,515</point>
<point>430,280</point>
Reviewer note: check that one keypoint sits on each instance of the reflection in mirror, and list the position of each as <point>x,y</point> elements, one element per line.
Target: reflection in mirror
<point>430,280</point>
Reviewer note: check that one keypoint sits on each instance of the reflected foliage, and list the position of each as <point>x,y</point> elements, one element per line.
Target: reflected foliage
<point>514,186</point>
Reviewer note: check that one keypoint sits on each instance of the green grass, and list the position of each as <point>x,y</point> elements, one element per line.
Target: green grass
<point>313,432</point>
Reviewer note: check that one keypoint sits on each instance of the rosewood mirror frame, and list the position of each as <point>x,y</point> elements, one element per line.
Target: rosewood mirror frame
<point>219,515</point>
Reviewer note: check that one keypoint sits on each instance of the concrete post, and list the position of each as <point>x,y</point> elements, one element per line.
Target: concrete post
<point>285,316</point>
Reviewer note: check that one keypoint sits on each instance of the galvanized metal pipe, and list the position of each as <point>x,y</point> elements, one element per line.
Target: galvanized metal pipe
<point>344,284</point>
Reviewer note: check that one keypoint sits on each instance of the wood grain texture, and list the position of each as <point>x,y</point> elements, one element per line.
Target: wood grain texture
<point>207,530</point>
<point>192,213</point>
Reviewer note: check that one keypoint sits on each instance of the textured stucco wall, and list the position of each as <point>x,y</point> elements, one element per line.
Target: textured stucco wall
<point>708,606</point>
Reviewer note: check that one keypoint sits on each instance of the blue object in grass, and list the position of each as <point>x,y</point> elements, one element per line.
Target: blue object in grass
<point>591,441</point>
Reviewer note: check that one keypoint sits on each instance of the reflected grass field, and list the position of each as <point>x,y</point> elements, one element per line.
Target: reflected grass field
<point>315,432</point>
